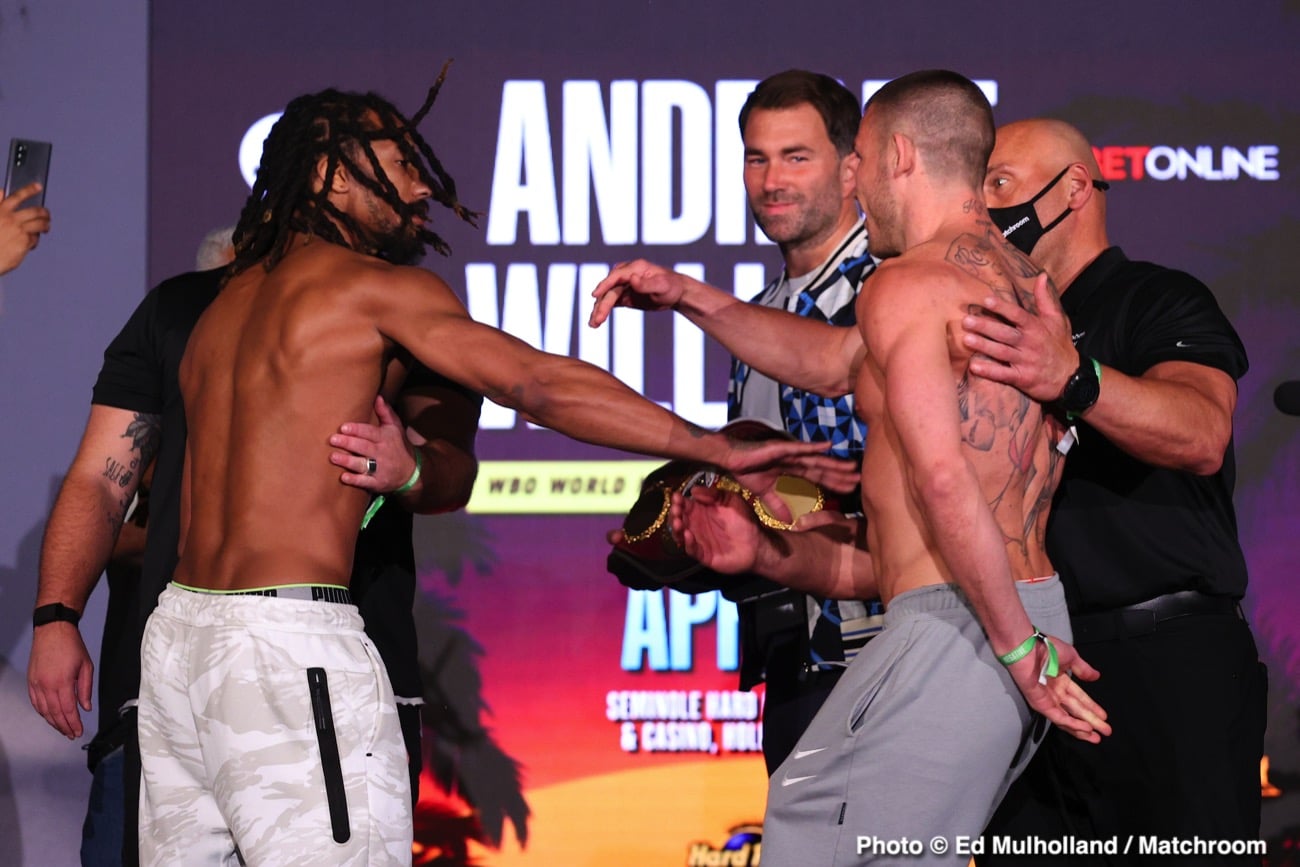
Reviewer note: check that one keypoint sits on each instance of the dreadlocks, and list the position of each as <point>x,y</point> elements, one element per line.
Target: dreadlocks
<point>338,126</point>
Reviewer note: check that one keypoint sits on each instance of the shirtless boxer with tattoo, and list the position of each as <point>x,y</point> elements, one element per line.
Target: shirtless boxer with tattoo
<point>937,715</point>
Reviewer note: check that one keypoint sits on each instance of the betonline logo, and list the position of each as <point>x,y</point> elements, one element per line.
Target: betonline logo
<point>1168,163</point>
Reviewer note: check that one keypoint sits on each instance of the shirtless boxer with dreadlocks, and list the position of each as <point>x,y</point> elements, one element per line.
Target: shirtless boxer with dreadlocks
<point>267,727</point>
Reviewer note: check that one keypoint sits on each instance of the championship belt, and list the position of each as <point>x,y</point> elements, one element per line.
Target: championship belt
<point>650,557</point>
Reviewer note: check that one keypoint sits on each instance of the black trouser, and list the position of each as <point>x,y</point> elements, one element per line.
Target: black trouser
<point>793,698</point>
<point>1186,699</point>
<point>408,715</point>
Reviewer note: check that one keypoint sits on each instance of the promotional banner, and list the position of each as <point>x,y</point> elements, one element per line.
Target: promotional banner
<point>588,134</point>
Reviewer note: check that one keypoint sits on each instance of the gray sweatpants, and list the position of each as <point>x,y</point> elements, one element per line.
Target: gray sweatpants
<point>919,740</point>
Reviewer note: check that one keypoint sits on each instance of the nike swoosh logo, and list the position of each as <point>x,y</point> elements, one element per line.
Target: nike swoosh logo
<point>1183,344</point>
<point>800,754</point>
<point>790,781</point>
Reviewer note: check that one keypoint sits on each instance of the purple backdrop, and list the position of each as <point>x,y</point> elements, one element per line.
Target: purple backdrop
<point>1152,81</point>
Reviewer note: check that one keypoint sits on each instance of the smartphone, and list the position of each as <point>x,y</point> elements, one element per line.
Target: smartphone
<point>29,161</point>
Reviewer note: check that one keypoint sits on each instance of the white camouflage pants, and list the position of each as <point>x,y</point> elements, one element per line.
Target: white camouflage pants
<point>268,736</point>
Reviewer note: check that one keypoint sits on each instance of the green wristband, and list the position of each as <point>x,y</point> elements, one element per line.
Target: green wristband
<point>1026,647</point>
<point>375,506</point>
<point>378,501</point>
<point>415,475</point>
<point>1013,656</point>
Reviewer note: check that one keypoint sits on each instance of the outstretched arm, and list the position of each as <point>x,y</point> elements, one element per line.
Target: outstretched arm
<point>796,350</point>
<point>823,556</point>
<point>576,398</point>
<point>1176,415</point>
<point>79,537</point>
<point>906,335</point>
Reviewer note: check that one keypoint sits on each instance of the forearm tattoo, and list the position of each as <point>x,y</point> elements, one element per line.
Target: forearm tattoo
<point>145,433</point>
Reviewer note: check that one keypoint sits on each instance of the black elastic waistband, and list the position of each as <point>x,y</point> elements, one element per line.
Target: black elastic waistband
<point>1141,618</point>
<point>305,592</point>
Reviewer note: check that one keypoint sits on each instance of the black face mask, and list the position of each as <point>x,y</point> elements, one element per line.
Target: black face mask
<point>1020,224</point>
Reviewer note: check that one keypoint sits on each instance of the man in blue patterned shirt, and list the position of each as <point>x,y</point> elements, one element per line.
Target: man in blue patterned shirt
<point>798,129</point>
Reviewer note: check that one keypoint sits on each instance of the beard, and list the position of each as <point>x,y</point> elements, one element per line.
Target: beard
<point>883,220</point>
<point>396,238</point>
<point>810,218</point>
<point>401,247</point>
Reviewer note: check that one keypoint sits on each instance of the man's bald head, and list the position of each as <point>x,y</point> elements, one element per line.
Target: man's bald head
<point>1045,168</point>
<point>1042,143</point>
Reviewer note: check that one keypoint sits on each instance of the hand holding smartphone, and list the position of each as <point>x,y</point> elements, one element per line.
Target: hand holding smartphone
<point>23,218</point>
<point>29,162</point>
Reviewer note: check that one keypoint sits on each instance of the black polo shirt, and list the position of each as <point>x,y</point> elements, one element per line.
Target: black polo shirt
<point>1122,531</point>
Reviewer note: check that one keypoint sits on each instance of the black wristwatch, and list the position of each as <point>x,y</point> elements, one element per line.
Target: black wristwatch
<point>53,612</point>
<point>1082,389</point>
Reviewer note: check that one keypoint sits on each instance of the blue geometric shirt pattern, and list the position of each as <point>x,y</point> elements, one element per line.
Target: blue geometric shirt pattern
<point>837,630</point>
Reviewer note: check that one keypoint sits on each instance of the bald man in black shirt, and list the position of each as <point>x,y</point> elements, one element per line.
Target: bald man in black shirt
<point>1142,528</point>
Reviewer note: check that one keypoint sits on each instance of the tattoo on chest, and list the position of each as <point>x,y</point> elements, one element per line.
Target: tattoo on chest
<point>1007,429</point>
<point>1005,270</point>
<point>992,413</point>
<point>998,421</point>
